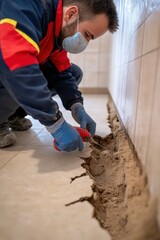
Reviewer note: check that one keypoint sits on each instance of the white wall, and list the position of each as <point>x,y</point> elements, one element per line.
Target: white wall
<point>94,63</point>
<point>134,80</point>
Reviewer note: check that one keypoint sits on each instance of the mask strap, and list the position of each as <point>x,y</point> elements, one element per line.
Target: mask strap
<point>78,24</point>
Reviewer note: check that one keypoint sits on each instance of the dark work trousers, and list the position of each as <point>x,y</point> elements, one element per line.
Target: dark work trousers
<point>50,73</point>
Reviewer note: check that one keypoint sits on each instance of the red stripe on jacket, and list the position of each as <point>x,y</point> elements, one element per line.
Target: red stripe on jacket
<point>19,54</point>
<point>59,58</point>
<point>46,44</point>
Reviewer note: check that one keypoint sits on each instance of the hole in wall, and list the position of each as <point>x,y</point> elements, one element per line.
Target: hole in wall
<point>121,198</point>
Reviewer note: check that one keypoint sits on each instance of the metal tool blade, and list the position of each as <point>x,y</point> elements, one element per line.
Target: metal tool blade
<point>92,141</point>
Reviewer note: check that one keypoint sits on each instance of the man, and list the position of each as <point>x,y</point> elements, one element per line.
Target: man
<point>17,121</point>
<point>35,36</point>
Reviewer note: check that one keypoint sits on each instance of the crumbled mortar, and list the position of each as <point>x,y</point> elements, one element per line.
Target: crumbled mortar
<point>121,197</point>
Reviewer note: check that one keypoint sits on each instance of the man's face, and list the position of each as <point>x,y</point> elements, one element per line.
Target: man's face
<point>95,27</point>
<point>90,29</point>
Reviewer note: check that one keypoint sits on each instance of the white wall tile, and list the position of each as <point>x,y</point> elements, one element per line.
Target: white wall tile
<point>136,43</point>
<point>153,153</point>
<point>122,82</point>
<point>132,88</point>
<point>102,79</point>
<point>90,79</point>
<point>136,13</point>
<point>105,44</point>
<point>93,46</point>
<point>104,62</point>
<point>78,59</point>
<point>132,80</point>
<point>91,62</point>
<point>152,32</point>
<point>145,101</point>
<point>152,5</point>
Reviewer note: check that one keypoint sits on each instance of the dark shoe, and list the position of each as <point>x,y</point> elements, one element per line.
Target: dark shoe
<point>20,124</point>
<point>7,137</point>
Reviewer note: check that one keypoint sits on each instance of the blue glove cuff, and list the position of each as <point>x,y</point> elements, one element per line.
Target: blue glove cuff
<point>53,128</point>
<point>75,106</point>
<point>81,117</point>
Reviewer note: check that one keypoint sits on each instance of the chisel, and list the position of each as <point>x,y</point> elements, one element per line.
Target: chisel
<point>86,137</point>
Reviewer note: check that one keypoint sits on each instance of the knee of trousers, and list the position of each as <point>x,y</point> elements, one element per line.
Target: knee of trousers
<point>77,73</point>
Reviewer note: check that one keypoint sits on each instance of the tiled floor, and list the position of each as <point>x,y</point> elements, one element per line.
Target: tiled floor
<point>35,185</point>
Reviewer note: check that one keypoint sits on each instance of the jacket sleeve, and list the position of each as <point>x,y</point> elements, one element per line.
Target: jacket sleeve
<point>66,87</point>
<point>20,32</point>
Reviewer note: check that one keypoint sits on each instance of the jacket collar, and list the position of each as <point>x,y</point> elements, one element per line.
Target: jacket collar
<point>58,19</point>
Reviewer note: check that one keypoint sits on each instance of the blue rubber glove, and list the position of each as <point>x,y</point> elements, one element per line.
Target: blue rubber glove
<point>80,116</point>
<point>67,138</point>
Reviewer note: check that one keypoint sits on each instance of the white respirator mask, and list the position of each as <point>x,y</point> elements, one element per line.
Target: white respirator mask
<point>76,43</point>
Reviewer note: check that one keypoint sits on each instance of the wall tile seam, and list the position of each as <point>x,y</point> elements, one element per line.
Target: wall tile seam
<point>151,51</point>
<point>137,29</point>
<point>146,18</point>
<point>143,55</point>
<point>9,160</point>
<point>130,61</point>
<point>149,14</point>
<point>140,23</point>
<point>132,58</point>
<point>159,31</point>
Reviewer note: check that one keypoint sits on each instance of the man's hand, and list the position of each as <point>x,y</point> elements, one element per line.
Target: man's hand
<point>80,116</point>
<point>67,138</point>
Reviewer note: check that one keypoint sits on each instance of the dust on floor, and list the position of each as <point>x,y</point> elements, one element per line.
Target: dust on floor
<point>121,198</point>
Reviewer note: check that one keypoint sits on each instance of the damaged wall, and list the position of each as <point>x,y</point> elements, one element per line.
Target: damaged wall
<point>128,64</point>
<point>134,80</point>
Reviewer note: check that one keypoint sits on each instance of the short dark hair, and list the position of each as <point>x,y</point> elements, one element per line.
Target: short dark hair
<point>88,8</point>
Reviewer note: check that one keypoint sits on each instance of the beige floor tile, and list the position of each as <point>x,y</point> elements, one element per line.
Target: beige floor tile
<point>23,138</point>
<point>35,186</point>
<point>74,225</point>
<point>6,155</point>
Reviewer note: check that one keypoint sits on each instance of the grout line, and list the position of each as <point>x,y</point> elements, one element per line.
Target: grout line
<point>9,160</point>
<point>19,151</point>
<point>143,55</point>
<point>143,22</point>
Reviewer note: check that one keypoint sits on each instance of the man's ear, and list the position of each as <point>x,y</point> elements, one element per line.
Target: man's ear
<point>71,13</point>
